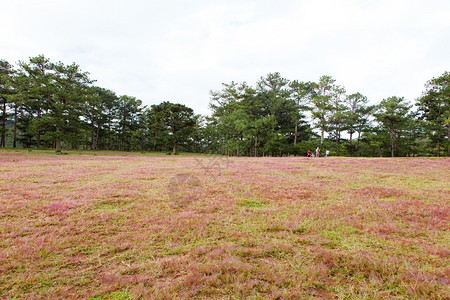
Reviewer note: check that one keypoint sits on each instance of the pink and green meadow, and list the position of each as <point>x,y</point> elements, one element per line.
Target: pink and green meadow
<point>187,227</point>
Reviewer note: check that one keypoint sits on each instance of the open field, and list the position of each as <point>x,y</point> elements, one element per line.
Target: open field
<point>128,227</point>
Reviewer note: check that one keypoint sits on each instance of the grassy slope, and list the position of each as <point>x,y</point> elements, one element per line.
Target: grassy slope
<point>197,227</point>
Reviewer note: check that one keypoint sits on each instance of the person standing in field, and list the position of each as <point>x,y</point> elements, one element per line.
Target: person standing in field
<point>317,152</point>
<point>309,153</point>
<point>327,152</point>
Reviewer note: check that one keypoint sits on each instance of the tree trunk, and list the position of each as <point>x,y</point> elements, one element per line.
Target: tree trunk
<point>357,141</point>
<point>57,141</point>
<point>174,150</point>
<point>439,144</point>
<point>296,132</point>
<point>338,139</point>
<point>15,127</point>
<point>448,139</point>
<point>38,134</point>
<point>296,125</point>
<point>96,137</point>
<point>58,145</point>
<point>92,136</point>
<point>392,148</point>
<point>392,136</point>
<point>3,141</point>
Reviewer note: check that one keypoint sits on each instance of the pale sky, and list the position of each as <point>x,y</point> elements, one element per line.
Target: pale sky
<point>178,51</point>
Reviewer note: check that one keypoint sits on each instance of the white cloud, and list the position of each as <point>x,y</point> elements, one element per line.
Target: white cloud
<point>179,50</point>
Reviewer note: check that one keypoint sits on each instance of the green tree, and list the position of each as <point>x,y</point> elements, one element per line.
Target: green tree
<point>19,85</point>
<point>434,108</point>
<point>54,95</point>
<point>375,142</point>
<point>414,131</point>
<point>38,91</point>
<point>100,110</point>
<point>275,121</point>
<point>337,119</point>
<point>302,93</point>
<point>355,102</point>
<point>66,104</point>
<point>6,71</point>
<point>264,120</point>
<point>392,115</point>
<point>322,106</point>
<point>357,116</point>
<point>229,123</point>
<point>178,122</point>
<point>128,111</point>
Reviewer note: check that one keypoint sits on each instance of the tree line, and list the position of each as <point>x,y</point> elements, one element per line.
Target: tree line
<point>53,105</point>
<point>279,116</point>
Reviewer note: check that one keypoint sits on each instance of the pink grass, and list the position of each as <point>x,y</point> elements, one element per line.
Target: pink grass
<point>115,226</point>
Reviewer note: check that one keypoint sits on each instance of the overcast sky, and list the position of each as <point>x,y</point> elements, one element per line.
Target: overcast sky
<point>180,50</point>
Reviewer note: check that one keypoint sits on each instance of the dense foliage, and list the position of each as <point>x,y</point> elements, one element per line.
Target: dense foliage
<point>53,105</point>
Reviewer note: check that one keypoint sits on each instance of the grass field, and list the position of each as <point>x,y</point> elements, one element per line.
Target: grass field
<point>163,227</point>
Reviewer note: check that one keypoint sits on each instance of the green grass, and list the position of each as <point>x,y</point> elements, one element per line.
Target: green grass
<point>102,153</point>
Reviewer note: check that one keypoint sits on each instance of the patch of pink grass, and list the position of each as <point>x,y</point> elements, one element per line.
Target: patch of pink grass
<point>103,226</point>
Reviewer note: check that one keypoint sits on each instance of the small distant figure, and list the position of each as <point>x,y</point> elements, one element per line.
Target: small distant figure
<point>327,152</point>
<point>317,152</point>
<point>309,153</point>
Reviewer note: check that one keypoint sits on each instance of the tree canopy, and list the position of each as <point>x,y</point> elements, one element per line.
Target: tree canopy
<point>55,105</point>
